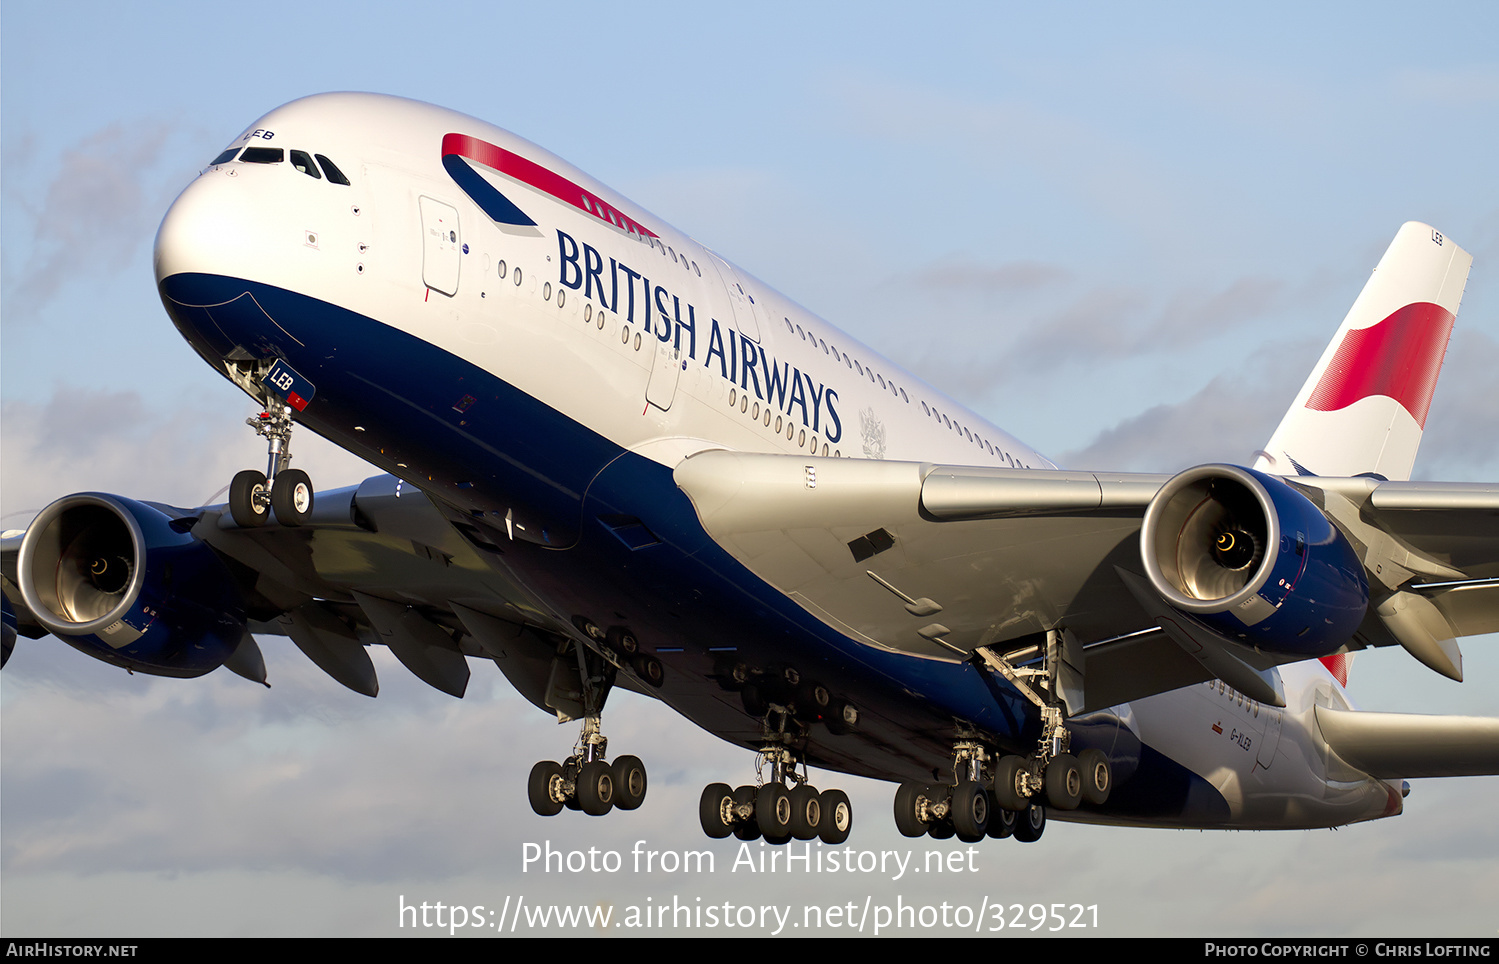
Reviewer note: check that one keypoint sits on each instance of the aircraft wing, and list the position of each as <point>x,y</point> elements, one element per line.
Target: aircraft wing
<point>1397,745</point>
<point>943,561</point>
<point>378,564</point>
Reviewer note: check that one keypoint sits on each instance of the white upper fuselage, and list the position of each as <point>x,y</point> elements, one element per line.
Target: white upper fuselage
<point>511,307</point>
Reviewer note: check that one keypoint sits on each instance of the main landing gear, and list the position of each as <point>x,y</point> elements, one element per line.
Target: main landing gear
<point>783,805</point>
<point>288,492</point>
<point>1009,795</point>
<point>970,808</point>
<point>586,781</point>
<point>780,809</point>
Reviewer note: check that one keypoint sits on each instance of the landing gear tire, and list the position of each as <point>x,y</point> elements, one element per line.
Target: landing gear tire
<point>622,641</point>
<point>648,668</point>
<point>1064,782</point>
<point>291,497</point>
<point>1031,824</point>
<point>755,703</point>
<point>629,782</point>
<point>1008,790</point>
<point>596,788</point>
<point>246,495</point>
<point>841,717</point>
<point>969,811</point>
<point>837,817</point>
<point>544,788</point>
<point>1098,777</point>
<point>774,812</point>
<point>715,810</point>
<point>806,811</point>
<point>910,801</point>
<point>1002,823</point>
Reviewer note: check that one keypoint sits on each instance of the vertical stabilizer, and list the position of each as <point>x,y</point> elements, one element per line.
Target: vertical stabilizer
<point>1364,407</point>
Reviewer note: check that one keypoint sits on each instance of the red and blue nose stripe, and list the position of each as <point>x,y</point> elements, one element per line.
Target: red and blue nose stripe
<point>459,149</point>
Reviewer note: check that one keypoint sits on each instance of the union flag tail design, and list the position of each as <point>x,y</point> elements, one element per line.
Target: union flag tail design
<point>1364,407</point>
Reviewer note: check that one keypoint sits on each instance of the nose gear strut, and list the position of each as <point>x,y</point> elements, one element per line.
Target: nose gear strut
<point>286,491</point>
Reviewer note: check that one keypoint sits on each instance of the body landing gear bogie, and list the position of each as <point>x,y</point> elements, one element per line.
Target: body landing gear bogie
<point>782,808</point>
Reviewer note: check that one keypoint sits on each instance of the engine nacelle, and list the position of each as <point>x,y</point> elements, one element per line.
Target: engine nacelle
<point>113,578</point>
<point>1254,560</point>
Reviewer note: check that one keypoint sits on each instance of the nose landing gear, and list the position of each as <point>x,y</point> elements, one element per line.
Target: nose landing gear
<point>286,491</point>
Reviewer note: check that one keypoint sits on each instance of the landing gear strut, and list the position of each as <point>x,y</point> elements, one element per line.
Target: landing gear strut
<point>586,781</point>
<point>964,808</point>
<point>1009,796</point>
<point>287,491</point>
<point>781,805</point>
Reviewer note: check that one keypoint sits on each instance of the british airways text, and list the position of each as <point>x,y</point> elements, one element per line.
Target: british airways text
<point>737,357</point>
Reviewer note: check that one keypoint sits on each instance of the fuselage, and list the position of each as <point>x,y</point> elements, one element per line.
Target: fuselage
<point>484,321</point>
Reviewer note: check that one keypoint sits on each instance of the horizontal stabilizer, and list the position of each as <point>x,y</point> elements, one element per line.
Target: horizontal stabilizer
<point>1397,745</point>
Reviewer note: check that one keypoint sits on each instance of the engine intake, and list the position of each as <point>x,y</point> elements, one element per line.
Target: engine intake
<point>1253,559</point>
<point>112,577</point>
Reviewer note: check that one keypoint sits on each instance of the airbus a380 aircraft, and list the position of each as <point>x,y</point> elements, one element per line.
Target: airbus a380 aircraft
<point>617,460</point>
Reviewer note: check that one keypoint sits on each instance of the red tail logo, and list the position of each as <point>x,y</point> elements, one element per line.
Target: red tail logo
<point>1400,358</point>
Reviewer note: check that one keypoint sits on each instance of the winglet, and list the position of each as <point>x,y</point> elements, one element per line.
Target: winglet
<point>1364,407</point>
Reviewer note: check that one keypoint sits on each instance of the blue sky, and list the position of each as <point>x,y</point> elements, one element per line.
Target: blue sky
<point>1122,234</point>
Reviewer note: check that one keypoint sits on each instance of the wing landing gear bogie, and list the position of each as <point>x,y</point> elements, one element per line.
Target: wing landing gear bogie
<point>586,781</point>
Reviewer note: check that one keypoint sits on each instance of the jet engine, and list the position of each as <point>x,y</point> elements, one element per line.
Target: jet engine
<point>1254,560</point>
<point>114,578</point>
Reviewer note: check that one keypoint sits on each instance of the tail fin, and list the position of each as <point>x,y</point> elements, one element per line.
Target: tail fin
<point>1364,407</point>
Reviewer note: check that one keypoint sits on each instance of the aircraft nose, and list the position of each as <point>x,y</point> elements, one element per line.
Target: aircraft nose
<point>210,223</point>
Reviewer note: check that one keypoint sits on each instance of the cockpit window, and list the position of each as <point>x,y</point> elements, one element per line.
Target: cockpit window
<point>263,155</point>
<point>225,157</point>
<point>331,169</point>
<point>303,163</point>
